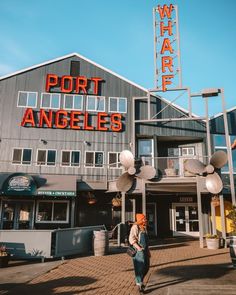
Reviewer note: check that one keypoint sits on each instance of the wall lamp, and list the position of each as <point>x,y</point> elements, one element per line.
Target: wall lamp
<point>87,143</point>
<point>43,141</point>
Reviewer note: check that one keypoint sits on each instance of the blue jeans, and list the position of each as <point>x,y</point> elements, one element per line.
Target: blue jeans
<point>141,265</point>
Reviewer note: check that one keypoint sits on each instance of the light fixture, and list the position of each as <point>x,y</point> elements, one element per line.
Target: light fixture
<point>210,92</point>
<point>91,199</point>
<point>87,143</point>
<point>43,141</point>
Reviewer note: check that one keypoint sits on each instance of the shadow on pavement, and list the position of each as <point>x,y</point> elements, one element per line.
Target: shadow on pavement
<point>174,275</point>
<point>49,286</point>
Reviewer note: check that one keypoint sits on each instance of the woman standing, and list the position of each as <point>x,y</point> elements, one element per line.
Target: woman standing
<point>138,238</point>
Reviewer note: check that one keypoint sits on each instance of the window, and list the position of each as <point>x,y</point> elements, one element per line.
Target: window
<point>70,158</point>
<point>27,99</point>
<point>50,100</point>
<point>118,104</point>
<point>49,211</point>
<point>113,160</point>
<point>22,156</point>
<point>94,159</point>
<point>95,103</point>
<point>145,149</point>
<point>73,102</point>
<point>46,157</point>
<point>219,140</point>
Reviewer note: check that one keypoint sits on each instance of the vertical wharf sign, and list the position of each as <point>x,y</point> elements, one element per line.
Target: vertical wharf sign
<point>167,51</point>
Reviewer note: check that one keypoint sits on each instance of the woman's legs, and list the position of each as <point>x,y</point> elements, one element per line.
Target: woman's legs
<point>139,267</point>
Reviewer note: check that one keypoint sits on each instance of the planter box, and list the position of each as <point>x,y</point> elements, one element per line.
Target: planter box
<point>4,261</point>
<point>213,244</point>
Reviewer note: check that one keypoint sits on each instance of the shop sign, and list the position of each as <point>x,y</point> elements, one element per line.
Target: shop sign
<point>18,184</point>
<point>69,84</point>
<point>166,24</point>
<point>186,199</point>
<point>57,193</point>
<point>71,120</point>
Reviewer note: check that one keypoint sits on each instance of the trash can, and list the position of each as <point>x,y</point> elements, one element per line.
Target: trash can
<point>100,242</point>
<point>232,249</point>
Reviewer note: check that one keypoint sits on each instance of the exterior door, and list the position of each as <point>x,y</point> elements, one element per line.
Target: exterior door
<point>17,215</point>
<point>185,220</point>
<point>151,217</point>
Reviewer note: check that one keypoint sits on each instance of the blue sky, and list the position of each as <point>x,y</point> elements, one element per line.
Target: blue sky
<point>119,36</point>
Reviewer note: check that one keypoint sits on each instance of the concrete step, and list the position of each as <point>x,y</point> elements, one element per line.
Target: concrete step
<point>202,290</point>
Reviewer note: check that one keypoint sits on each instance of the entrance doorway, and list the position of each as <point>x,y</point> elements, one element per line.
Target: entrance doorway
<point>185,220</point>
<point>17,215</point>
<point>152,218</point>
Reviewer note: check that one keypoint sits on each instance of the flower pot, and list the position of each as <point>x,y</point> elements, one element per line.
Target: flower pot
<point>4,260</point>
<point>212,244</point>
<point>232,249</point>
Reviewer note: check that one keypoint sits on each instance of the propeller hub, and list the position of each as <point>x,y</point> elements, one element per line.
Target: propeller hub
<point>209,169</point>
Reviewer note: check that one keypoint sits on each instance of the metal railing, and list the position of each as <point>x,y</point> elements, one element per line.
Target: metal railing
<point>165,167</point>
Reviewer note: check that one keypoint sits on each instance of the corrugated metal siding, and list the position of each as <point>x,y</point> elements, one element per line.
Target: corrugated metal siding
<point>13,135</point>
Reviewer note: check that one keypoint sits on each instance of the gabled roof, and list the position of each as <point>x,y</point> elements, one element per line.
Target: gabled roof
<point>95,64</point>
<point>71,55</point>
<point>221,114</point>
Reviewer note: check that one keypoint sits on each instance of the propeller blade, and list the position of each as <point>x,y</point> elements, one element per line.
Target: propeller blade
<point>194,166</point>
<point>124,182</point>
<point>219,159</point>
<point>127,159</point>
<point>214,183</point>
<point>146,172</point>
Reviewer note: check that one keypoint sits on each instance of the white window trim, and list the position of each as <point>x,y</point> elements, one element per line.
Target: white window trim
<point>117,104</point>
<point>50,107</point>
<point>73,108</point>
<point>27,99</point>
<point>21,148</point>
<point>66,166</point>
<point>93,166</point>
<point>46,158</point>
<point>96,103</point>
<point>117,163</point>
<point>52,221</point>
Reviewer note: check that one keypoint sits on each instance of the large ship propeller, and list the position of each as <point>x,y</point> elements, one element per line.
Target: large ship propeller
<point>213,181</point>
<point>126,180</point>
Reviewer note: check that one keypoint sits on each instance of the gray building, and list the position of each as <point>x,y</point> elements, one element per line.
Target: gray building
<point>64,123</point>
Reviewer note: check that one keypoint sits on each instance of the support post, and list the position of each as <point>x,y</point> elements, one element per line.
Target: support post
<point>229,152</point>
<point>143,196</point>
<point>213,222</point>
<point>199,205</point>
<point>123,207</point>
<point>73,213</point>
<point>222,215</point>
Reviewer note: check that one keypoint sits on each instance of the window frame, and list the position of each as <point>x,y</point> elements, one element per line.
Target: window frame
<point>53,202</point>
<point>94,165</point>
<point>73,108</point>
<point>50,107</point>
<point>36,99</point>
<point>22,149</point>
<point>96,103</point>
<point>65,166</point>
<point>117,104</point>
<point>46,157</point>
<point>118,165</point>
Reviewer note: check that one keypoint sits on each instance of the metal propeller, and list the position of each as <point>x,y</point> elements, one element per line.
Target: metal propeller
<point>213,181</point>
<point>125,181</point>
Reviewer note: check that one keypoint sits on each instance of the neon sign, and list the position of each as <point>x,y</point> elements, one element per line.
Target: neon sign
<point>167,46</point>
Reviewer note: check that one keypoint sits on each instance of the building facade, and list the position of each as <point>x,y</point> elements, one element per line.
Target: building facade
<point>63,126</point>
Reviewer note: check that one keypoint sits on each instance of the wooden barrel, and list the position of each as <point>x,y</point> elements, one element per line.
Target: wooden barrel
<point>232,248</point>
<point>100,242</point>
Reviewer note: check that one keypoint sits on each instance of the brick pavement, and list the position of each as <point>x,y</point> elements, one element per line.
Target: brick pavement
<point>171,265</point>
